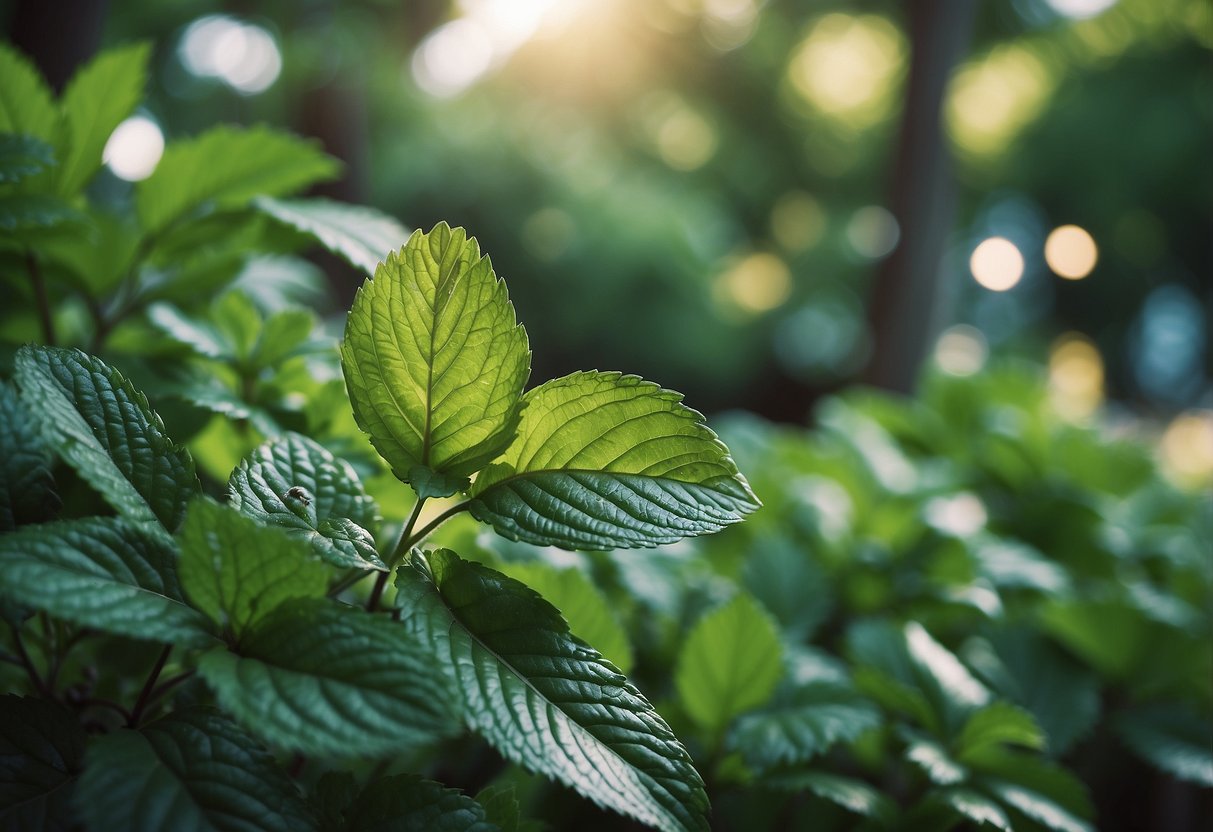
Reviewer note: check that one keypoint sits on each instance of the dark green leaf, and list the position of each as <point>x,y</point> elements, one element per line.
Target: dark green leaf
<point>295,483</point>
<point>29,212</point>
<point>434,360</point>
<point>227,167</point>
<point>194,770</point>
<point>41,753</point>
<point>361,235</point>
<point>730,663</point>
<point>101,572</point>
<point>238,571</point>
<point>27,488</point>
<point>326,679</point>
<point>975,807</point>
<point>102,426</point>
<point>545,699</point>
<point>1173,738</point>
<point>604,460</point>
<point>333,792</point>
<point>500,802</point>
<point>853,795</point>
<point>22,156</point>
<point>1043,791</point>
<point>812,719</point>
<point>407,803</point>
<point>199,336</point>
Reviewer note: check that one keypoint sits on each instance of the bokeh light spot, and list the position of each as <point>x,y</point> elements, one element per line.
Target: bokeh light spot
<point>990,100</point>
<point>1076,376</point>
<point>873,232</point>
<point>134,149</point>
<point>996,264</point>
<point>798,221</point>
<point>961,350</point>
<point>452,58</point>
<point>756,283</point>
<point>1186,449</point>
<point>1080,9</point>
<point>685,140</point>
<point>242,55</point>
<point>1071,252</point>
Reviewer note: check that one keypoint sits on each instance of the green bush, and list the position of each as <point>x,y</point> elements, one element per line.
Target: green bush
<point>957,610</point>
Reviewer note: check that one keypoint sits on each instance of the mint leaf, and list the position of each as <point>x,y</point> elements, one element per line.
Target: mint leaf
<point>363,236</point>
<point>996,724</point>
<point>200,336</point>
<point>22,156</point>
<point>407,803</point>
<point>103,427</point>
<point>582,604</point>
<point>29,212</point>
<point>853,795</point>
<point>98,98</point>
<point>809,720</point>
<point>1172,737</point>
<point>26,103</point>
<point>975,807</point>
<point>27,488</point>
<point>1040,790</point>
<point>604,460</point>
<point>295,483</point>
<point>544,698</point>
<point>41,753</point>
<point>500,802</point>
<point>226,167</point>
<point>101,572</point>
<point>730,663</point>
<point>192,770</point>
<point>238,571</point>
<point>327,679</point>
<point>433,357</point>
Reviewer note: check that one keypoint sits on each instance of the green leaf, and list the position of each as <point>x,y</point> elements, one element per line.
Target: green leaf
<point>935,761</point>
<point>226,167</point>
<point>1037,807</point>
<point>997,724</point>
<point>238,571</point>
<point>327,679</point>
<point>1044,792</point>
<point>730,663</point>
<point>193,770</point>
<point>98,98</point>
<point>853,795</point>
<point>41,754</point>
<point>1173,738</point>
<point>30,212</point>
<point>814,718</point>
<point>582,604</point>
<point>22,156</point>
<point>27,487</point>
<point>542,697</point>
<point>101,572</point>
<point>103,428</point>
<point>433,358</point>
<point>282,336</point>
<point>604,460</point>
<point>363,236</point>
<point>407,803</point>
<point>238,321</point>
<point>500,802</point>
<point>200,336</point>
<point>26,103</point>
<point>333,792</point>
<point>975,807</point>
<point>295,483</point>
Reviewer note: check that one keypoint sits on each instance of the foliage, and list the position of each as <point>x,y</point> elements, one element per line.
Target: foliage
<point>950,610</point>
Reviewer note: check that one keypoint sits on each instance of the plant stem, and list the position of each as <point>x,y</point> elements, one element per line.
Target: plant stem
<point>167,685</point>
<point>148,686</point>
<point>407,543</point>
<point>28,664</point>
<point>44,304</point>
<point>380,582</point>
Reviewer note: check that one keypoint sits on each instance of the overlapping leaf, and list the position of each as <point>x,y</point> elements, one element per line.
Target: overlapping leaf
<point>1173,738</point>
<point>41,753</point>
<point>26,103</point>
<point>434,361</point>
<point>101,572</point>
<point>194,770</point>
<point>407,803</point>
<point>22,156</point>
<point>327,679</point>
<point>27,487</point>
<point>543,698</point>
<point>363,236</point>
<point>30,212</point>
<point>103,427</point>
<point>806,723</point>
<point>295,483</point>
<point>604,460</point>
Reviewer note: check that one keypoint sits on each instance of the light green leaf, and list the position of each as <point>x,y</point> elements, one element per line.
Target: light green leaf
<point>407,803</point>
<point>544,698</point>
<point>975,807</point>
<point>104,429</point>
<point>730,663</point>
<point>194,770</point>
<point>295,483</point>
<point>238,321</point>
<point>363,236</point>
<point>98,98</point>
<point>238,571</point>
<point>28,212</point>
<point>433,358</point>
<point>282,335</point>
<point>200,336</point>
<point>26,103</point>
<point>853,795</point>
<point>326,679</point>
<point>1037,788</point>
<point>27,488</point>
<point>41,753</point>
<point>226,167</point>
<point>604,460</point>
<point>101,572</point>
<point>996,724</point>
<point>210,394</point>
<point>22,156</point>
<point>1173,738</point>
<point>812,719</point>
<point>582,604</point>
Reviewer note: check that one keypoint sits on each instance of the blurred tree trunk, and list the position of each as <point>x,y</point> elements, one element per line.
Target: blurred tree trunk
<point>59,36</point>
<point>907,299</point>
